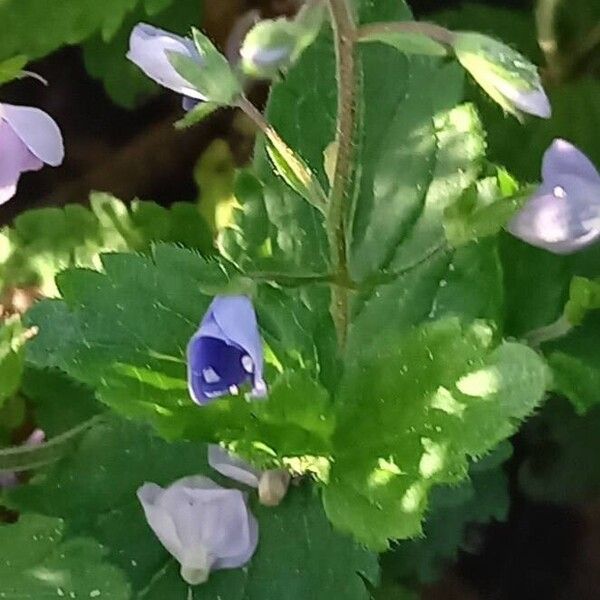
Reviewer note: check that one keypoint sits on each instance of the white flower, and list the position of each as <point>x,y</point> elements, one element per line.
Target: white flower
<point>204,526</point>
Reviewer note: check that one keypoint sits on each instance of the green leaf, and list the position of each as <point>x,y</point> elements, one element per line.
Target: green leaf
<point>37,562</point>
<point>407,42</point>
<point>12,341</point>
<point>43,242</point>
<point>106,60</point>
<point>452,510</point>
<point>412,411</point>
<point>95,488</point>
<point>11,68</point>
<point>124,332</point>
<point>65,22</point>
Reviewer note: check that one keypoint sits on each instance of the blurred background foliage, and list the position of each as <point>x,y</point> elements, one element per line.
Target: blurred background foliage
<point>541,493</point>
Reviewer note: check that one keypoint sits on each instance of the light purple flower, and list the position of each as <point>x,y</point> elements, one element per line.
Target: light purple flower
<point>532,102</point>
<point>204,526</point>
<point>563,216</point>
<point>9,479</point>
<point>148,48</point>
<point>29,137</point>
<point>226,351</point>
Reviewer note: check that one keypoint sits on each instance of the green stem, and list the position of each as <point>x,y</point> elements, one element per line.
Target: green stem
<point>344,30</point>
<point>316,195</point>
<point>24,458</point>
<point>291,280</point>
<point>554,331</point>
<point>435,32</point>
<point>545,17</point>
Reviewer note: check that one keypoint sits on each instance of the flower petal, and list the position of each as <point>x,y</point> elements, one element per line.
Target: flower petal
<point>562,158</point>
<point>38,130</point>
<point>148,47</point>
<point>215,368</point>
<point>236,318</point>
<point>232,466</point>
<point>561,219</point>
<point>15,158</point>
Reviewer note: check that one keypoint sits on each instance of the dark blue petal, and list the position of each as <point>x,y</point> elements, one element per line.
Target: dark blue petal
<point>215,368</point>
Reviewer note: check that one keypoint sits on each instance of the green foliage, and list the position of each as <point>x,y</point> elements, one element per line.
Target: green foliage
<point>452,510</point>
<point>40,243</point>
<point>12,340</point>
<point>433,397</point>
<point>38,561</point>
<point>94,490</point>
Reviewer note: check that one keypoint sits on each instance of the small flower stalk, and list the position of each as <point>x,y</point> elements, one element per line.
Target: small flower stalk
<point>272,485</point>
<point>29,138</point>
<point>226,352</point>
<point>563,216</point>
<point>204,526</point>
<point>503,73</point>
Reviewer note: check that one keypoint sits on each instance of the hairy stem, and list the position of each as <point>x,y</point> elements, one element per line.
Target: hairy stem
<point>315,193</point>
<point>545,17</point>
<point>345,37</point>
<point>435,32</point>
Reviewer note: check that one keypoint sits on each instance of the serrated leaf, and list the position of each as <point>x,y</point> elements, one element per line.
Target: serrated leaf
<point>412,412</point>
<point>36,562</point>
<point>43,242</point>
<point>95,490</point>
<point>482,498</point>
<point>124,332</point>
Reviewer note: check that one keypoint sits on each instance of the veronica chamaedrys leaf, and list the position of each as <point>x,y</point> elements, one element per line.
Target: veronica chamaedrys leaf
<point>204,526</point>
<point>39,559</point>
<point>406,42</point>
<point>434,396</point>
<point>29,138</point>
<point>563,215</point>
<point>273,45</point>
<point>12,68</point>
<point>503,73</point>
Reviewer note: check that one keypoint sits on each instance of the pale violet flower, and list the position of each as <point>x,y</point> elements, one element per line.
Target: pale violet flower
<point>204,526</point>
<point>29,137</point>
<point>9,479</point>
<point>226,351</point>
<point>272,484</point>
<point>563,216</point>
<point>149,48</point>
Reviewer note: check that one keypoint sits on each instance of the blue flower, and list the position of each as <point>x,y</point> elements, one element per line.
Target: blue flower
<point>226,351</point>
<point>563,216</point>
